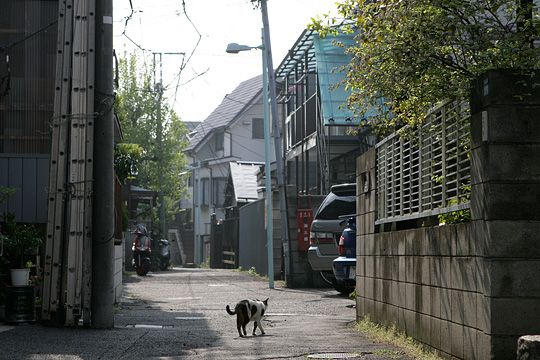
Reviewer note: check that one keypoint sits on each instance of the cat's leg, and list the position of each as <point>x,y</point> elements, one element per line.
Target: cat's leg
<point>260,327</point>
<point>254,328</point>
<point>239,326</point>
<point>244,328</point>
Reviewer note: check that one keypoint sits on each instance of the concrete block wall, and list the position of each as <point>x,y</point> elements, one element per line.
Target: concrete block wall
<point>468,290</point>
<point>301,274</point>
<point>424,281</point>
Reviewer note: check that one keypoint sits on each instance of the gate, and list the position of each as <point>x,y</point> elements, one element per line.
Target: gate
<point>224,243</point>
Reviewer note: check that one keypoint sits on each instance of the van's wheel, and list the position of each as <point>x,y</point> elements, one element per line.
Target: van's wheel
<point>328,277</point>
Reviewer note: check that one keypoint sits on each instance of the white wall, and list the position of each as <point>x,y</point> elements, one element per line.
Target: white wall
<point>118,267</point>
<point>244,146</point>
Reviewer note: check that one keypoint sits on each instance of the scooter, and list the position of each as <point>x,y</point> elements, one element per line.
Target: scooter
<point>142,249</point>
<point>164,254</point>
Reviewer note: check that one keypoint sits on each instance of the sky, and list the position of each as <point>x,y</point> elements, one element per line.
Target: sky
<point>162,26</point>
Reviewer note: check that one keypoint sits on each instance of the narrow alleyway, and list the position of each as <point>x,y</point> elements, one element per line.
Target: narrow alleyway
<point>180,313</point>
<point>190,305</point>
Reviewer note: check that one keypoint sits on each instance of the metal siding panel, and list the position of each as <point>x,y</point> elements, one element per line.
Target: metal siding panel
<point>252,237</point>
<point>28,211</point>
<point>15,181</point>
<point>42,186</point>
<point>28,106</point>
<point>4,171</point>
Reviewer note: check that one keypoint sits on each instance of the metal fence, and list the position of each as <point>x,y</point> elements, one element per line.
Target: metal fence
<point>425,172</point>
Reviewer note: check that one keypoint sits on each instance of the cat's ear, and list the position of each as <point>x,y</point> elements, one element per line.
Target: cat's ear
<point>266,301</point>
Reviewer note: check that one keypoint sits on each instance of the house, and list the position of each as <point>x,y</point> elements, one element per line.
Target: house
<point>321,137</point>
<point>232,132</point>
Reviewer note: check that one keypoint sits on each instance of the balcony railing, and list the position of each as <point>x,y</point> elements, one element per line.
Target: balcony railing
<point>426,172</point>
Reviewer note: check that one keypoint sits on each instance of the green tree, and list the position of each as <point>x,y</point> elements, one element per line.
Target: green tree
<point>127,158</point>
<point>141,158</point>
<point>415,53</point>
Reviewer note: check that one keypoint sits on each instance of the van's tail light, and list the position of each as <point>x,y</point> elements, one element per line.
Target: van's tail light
<point>316,238</point>
<point>341,246</point>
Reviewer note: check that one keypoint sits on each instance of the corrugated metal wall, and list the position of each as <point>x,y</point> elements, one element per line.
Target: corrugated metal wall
<point>27,107</point>
<point>252,238</point>
<point>27,64</point>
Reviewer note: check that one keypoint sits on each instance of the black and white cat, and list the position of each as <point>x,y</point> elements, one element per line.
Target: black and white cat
<point>246,311</point>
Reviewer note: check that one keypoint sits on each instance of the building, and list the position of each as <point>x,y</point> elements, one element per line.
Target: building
<point>27,71</point>
<point>232,132</point>
<point>321,134</point>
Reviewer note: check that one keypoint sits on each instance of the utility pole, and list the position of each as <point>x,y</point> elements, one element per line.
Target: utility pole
<point>158,88</point>
<point>277,145</point>
<point>103,206</point>
<point>159,135</point>
<point>268,172</point>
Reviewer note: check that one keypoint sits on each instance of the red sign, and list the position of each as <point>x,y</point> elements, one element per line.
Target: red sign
<point>304,218</point>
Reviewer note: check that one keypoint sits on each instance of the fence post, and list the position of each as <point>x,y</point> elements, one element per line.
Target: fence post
<point>214,249</point>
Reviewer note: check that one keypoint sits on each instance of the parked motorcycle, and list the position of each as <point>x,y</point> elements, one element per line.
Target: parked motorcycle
<point>164,254</point>
<point>141,249</point>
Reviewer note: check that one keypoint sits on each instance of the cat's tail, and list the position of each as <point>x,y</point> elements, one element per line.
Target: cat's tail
<point>229,310</point>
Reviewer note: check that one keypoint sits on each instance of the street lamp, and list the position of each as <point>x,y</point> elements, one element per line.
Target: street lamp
<point>234,48</point>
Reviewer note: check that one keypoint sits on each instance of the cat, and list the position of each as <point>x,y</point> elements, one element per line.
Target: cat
<point>246,311</point>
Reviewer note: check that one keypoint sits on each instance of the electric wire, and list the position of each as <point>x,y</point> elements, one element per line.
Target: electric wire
<point>184,64</point>
<point>128,18</point>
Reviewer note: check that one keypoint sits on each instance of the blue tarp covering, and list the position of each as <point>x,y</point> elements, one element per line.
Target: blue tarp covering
<point>332,65</point>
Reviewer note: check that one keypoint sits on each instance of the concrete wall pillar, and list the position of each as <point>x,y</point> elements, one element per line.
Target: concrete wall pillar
<point>366,206</point>
<point>505,207</point>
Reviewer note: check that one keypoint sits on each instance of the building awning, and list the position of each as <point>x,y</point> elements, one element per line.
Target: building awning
<point>332,67</point>
<point>244,180</point>
<point>137,192</point>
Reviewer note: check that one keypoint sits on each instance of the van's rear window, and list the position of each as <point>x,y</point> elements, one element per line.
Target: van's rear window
<point>334,207</point>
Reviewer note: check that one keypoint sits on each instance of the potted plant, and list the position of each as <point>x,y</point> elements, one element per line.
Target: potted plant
<point>20,245</point>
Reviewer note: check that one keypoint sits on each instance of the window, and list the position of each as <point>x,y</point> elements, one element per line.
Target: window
<point>205,192</point>
<point>219,185</point>
<point>257,128</point>
<point>218,141</point>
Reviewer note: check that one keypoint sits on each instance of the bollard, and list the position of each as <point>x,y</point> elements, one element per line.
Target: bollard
<point>528,347</point>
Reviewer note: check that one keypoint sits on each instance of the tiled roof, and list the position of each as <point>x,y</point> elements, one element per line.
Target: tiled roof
<point>231,106</point>
<point>191,125</point>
